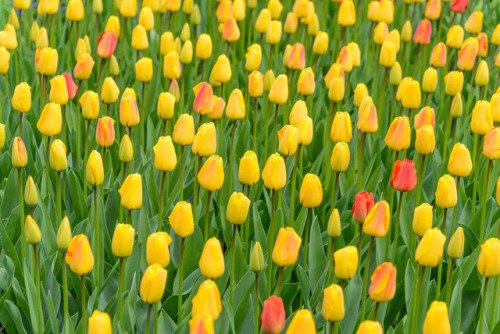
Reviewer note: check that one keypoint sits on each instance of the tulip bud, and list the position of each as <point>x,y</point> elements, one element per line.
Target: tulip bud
<point>367,119</point>
<point>406,31</point>
<point>377,221</point>
<point>346,15</point>
<point>79,255</point>
<point>89,102</point>
<point>95,169</point>
<point>64,235</point>
<point>157,249</point>
<point>339,160</point>
<point>58,90</point>
<point>166,105</point>
<point>333,308</point>
<point>4,60</point>
<point>454,82</point>
<point>334,228</point>
<point>105,131</point>
<point>341,130</point>
<point>311,192</point>
<point>425,142</point>
<point>165,157</point>
<point>212,259</point>
<point>99,322</point>
<point>488,263</point>
<point>203,46</point>
<point>273,32</point>
<point>221,72</point>
<point>172,65</point>
<point>383,283</point>
<point>58,160</point>
<point>279,90</point>
<point>235,109</point>
<point>482,119</point>
<point>237,208</point>
<point>21,99</point>
<point>474,23</point>
<point>436,319</point>
<point>287,246</point>
<point>256,258</point>
<point>255,84</point>
<point>302,322</point>
<point>211,175</point>
<point>49,123</point>
<point>153,284</point>
<point>181,219</point>
<point>404,175</point>
<point>144,69</point>
<point>187,52</point>
<point>456,244</point>
<point>482,74</point>
<point>422,219</point>
<point>426,116</point>
<point>430,248</point>
<point>399,134</point>
<point>491,147</point>
<point>346,262</point>
<point>429,81</point>
<point>34,29</point>
<point>291,23</point>
<point>467,57</point>
<point>42,39</point>
<point>272,319</point>
<point>360,92</point>
<point>380,33</point>
<point>123,241</point>
<point>336,89</point>
<point>460,162</point>
<point>320,45</point>
<point>305,129</point>
<point>388,54</point>
<point>207,300</point>
<point>131,192</point>
<point>31,230</point>
<point>288,140</point>
<point>184,130</point>
<point>19,154</point>
<point>274,173</point>
<point>109,91</point>
<point>30,192</point>
<point>446,192</point>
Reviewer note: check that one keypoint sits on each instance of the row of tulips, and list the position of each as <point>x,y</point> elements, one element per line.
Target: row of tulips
<point>283,248</point>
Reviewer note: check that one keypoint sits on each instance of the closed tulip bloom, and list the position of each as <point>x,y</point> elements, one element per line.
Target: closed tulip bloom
<point>79,255</point>
<point>32,231</point>
<point>422,219</point>
<point>482,40</point>
<point>272,318</point>
<point>49,123</point>
<point>279,90</point>
<point>474,23</point>
<point>455,37</point>
<point>341,130</point>
<point>205,140</point>
<point>460,162</point>
<point>166,105</point>
<point>287,246</point>
<point>367,119</point>
<point>426,116</point>
<point>274,32</point>
<point>425,141</point>
<point>153,284</point>
<point>237,208</point>
<point>336,89</point>
<point>21,4</point>
<point>146,18</point>
<point>201,323</point>
<point>83,67</point>
<point>207,300</point>
<point>253,57</point>
<point>139,38</point>
<point>495,107</point>
<point>231,32</point>
<point>321,42</point>
<point>64,235</point>
<point>394,37</point>
<point>374,11</point>
<point>95,169</point>
<point>399,134</point>
<point>255,84</point>
<point>109,91</point>
<point>75,11</point>
<point>106,44</point>
<point>167,43</point>
<point>165,157</point>
<point>212,259</point>
<point>488,263</point>
<point>456,244</point>
<point>291,23</point>
<point>305,129</point>
<point>184,130</point>
<point>71,87</point>
<point>21,99</point>
<point>386,12</point>
<point>211,175</point>
<point>346,15</point>
<point>181,219</point>
<point>383,283</point>
<point>454,82</point>
<point>430,248</point>
<point>4,60</point>
<point>346,262</point>
<point>224,10</point>
<point>235,109</point>
<point>466,57</point>
<point>274,173</point>
<point>99,323</point>
<point>377,221</point>
<point>345,59</point>
<point>298,112</point>
<point>423,32</point>
<point>363,203</point>
<point>249,172</point>
<point>263,20</point>
<point>105,131</point>
<point>459,6</point>
<point>495,35</point>
<point>297,59</point>
<point>89,102</point>
<point>221,72</point>
<point>144,69</point>
<point>157,250</point>
<point>131,192</point>
<point>360,92</point>
<point>113,25</point>
<point>446,192</point>
<point>406,31</point>
<point>46,61</point>
<point>8,37</point>
<point>438,55</point>
<point>34,30</point>
<point>380,33</point>
<point>482,118</point>
<point>129,113</point>
<point>388,54</point>
<point>334,228</point>
<point>311,192</point>
<point>491,147</point>
<point>126,152</point>
<point>288,138</point>
<point>411,93</point>
<point>175,90</point>
<point>404,175</point>
<point>370,327</point>
<point>172,66</point>
<point>436,319</point>
<point>456,106</point>
<point>482,74</point>
<point>128,8</point>
<point>429,81</point>
<point>402,87</point>
<point>306,84</point>
<point>19,154</point>
<point>58,159</point>
<point>302,322</point>
<point>81,48</point>
<point>335,71</point>
<point>339,160</point>
<point>30,192</point>
<point>123,240</point>
<point>203,49</point>
<point>333,308</point>
<point>58,90</point>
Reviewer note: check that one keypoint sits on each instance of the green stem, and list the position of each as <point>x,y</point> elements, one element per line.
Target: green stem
<point>365,279</point>
<point>78,136</point>
<point>207,212</point>
<point>381,100</point>
<point>360,162</point>
<point>256,313</point>
<point>181,175</point>
<point>255,125</point>
<point>270,240</point>
<point>20,122</point>
<point>266,131</point>
<point>38,294</point>
<point>181,266</point>
<point>416,306</point>
<point>396,228</point>
<point>292,191</point>
<point>231,161</point>
<point>65,292</point>
<point>377,304</point>
<point>47,159</point>
<point>335,185</point>
<point>148,318</point>
<point>306,237</point>
<point>155,319</point>
<point>197,167</point>
<point>231,277</point>
<point>58,195</point>
<point>494,313</point>
<point>143,116</point>
<point>96,239</point>
<point>477,148</point>
<point>247,228</point>
<point>120,290</point>
<point>449,281</point>
<point>421,168</point>
<point>484,200</point>
<point>84,307</point>
<point>21,212</point>
<point>275,131</point>
<point>483,303</point>
<point>280,280</point>
<point>160,205</point>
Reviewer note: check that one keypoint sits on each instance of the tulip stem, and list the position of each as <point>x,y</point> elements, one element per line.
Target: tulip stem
<point>255,124</point>
<point>416,200</point>
<point>449,281</point>
<point>396,228</point>
<point>232,157</point>
<point>247,227</point>
<point>38,298</point>
<point>335,185</point>
<point>365,279</point>
<point>207,213</point>
<point>181,175</point>
<point>306,237</point>
<point>180,274</point>
<point>416,305</point>
<point>78,137</point>
<point>360,162</point>
<point>331,245</point>
<point>231,278</point>
<point>96,239</point>
<point>197,185</point>
<point>291,219</point>
<point>155,319</point>
<point>143,116</point>
<point>58,195</point>
<point>494,313</point>
<point>256,314</point>
<point>266,131</point>
<point>485,201</point>
<point>377,304</point>
<point>476,148</point>
<point>483,302</point>
<point>20,123</point>
<point>120,289</point>
<point>381,100</point>
<point>21,212</point>
<point>160,205</point>
<point>270,238</point>
<point>47,159</point>
<point>65,292</point>
<point>280,279</point>
<point>148,318</point>
<point>84,307</point>
<point>275,126</point>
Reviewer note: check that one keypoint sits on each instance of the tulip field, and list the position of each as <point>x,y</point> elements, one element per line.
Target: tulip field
<point>249,166</point>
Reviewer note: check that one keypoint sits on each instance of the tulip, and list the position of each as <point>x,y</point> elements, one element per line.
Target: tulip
<point>466,57</point>
<point>302,322</point>
<point>21,99</point>
<point>279,90</point>
<point>4,60</point>
<point>454,82</point>
<point>377,221</point>
<point>126,152</point>
<point>311,192</point>
<point>459,6</point>
<point>221,71</point>
<point>363,203</point>
<point>383,283</point>
<point>360,92</point>
<point>341,130</point>
<point>346,15</point>
<point>153,284</point>
<point>203,48</point>
<point>429,81</point>
<point>399,133</point>
<point>436,320</point>
<point>346,262</point>
<point>184,130</point>
<point>207,300</point>
<point>58,160</point>
<point>446,192</point>
<point>89,102</point>
<point>460,162</point>
<point>426,116</point>
<point>406,31</point>
<point>123,240</point>
<point>144,69</point>
<point>19,154</point>
<point>83,67</point>
<point>482,74</point>
<point>430,248</point>
<point>411,97</point>
<point>211,175</point>
<point>482,119</point>
<point>113,25</point>
<point>320,44</point>
<point>456,244</point>
<point>455,37</point>
<point>370,327</point>
<point>79,255</point>
<point>404,175</point>
<point>274,173</point>
<point>286,248</point>
<point>131,192</point>
<point>129,113</point>
<point>110,91</point>
<point>30,192</point>
<point>482,40</point>
<point>305,129</point>
<point>388,54</point>
<point>235,109</point>
<point>49,123</point>
<point>423,32</point>
<point>201,323</point>
<point>165,157</point>
<point>272,319</point>
<point>157,249</point>
<point>367,119</point>
<point>99,322</point>
<point>237,208</point>
<point>105,132</point>
<point>474,23</point>
<point>32,232</point>
<point>422,219</point>
<point>488,263</point>
<point>64,235</point>
<point>491,149</point>
<point>181,219</point>
<point>257,258</point>
<point>425,141</point>
<point>203,102</point>
<point>273,33</point>
<point>340,157</point>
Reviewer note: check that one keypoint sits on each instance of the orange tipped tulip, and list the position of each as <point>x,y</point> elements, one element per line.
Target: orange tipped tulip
<point>383,283</point>
<point>106,44</point>
<point>287,246</point>
<point>423,32</point>
<point>377,221</point>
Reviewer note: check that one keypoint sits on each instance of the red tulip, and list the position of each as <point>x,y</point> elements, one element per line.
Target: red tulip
<point>70,85</point>
<point>106,44</point>
<point>272,319</point>
<point>459,6</point>
<point>404,175</point>
<point>363,203</point>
